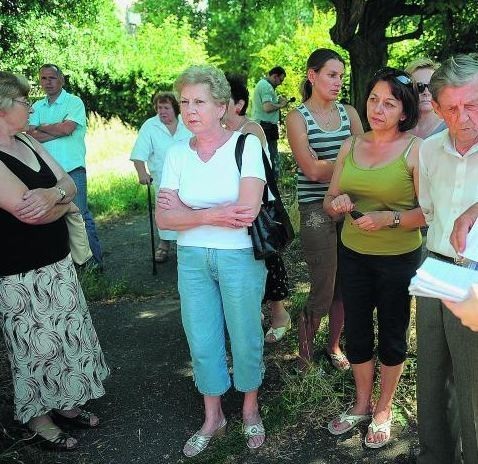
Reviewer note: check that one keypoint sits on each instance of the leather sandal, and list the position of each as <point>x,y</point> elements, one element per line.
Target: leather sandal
<point>82,420</point>
<point>59,443</point>
<point>252,431</point>
<point>161,255</point>
<point>198,443</point>
<point>278,333</point>
<point>351,419</point>
<point>375,428</point>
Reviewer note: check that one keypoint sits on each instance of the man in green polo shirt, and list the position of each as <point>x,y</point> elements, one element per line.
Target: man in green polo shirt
<point>265,110</point>
<point>58,121</point>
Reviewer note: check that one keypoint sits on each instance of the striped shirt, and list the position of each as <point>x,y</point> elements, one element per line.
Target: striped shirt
<point>326,145</point>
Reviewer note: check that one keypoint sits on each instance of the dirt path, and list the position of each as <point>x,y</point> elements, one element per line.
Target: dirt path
<point>151,404</point>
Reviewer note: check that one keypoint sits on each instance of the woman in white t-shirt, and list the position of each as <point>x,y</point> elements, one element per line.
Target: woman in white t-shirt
<point>205,198</point>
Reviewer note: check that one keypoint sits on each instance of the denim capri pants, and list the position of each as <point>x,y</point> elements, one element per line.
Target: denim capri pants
<point>222,289</point>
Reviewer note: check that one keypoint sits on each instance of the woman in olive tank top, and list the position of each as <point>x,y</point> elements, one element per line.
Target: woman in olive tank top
<point>375,184</point>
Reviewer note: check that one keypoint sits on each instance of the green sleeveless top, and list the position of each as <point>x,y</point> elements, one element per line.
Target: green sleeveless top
<point>386,188</point>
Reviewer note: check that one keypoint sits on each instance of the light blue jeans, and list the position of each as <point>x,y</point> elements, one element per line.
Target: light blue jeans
<point>79,178</point>
<point>222,289</point>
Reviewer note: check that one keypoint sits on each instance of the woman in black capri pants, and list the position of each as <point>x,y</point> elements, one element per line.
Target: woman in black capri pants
<point>377,174</point>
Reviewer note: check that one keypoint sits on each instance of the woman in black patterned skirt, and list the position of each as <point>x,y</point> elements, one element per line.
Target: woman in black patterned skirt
<point>277,284</point>
<point>56,360</point>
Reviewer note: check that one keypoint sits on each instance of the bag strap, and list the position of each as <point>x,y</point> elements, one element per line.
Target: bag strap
<point>270,179</point>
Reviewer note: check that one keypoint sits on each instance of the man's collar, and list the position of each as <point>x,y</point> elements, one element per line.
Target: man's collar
<point>61,97</point>
<point>449,145</point>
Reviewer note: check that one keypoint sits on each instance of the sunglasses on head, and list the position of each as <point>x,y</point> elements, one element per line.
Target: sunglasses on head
<point>397,75</point>
<point>422,86</point>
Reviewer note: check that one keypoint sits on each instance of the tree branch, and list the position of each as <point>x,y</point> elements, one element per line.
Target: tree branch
<point>416,34</point>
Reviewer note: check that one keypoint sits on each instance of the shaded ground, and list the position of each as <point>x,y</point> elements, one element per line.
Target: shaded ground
<point>151,405</point>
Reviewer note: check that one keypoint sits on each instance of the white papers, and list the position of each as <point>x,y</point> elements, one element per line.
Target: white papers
<point>471,250</point>
<point>439,279</point>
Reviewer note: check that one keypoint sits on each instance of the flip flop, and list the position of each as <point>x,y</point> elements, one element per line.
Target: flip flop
<point>339,361</point>
<point>374,428</point>
<point>278,333</point>
<point>351,419</point>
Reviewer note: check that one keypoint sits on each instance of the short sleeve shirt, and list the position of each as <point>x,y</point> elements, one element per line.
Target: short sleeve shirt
<point>264,92</point>
<point>153,142</point>
<point>213,183</point>
<point>69,151</point>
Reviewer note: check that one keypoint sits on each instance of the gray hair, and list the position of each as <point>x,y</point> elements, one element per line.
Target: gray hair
<point>421,63</point>
<point>211,76</point>
<point>456,71</point>
<point>12,86</point>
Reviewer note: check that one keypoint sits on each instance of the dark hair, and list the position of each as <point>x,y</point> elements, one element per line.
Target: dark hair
<point>403,88</point>
<point>58,71</point>
<point>316,61</point>
<point>279,70</point>
<point>166,97</point>
<point>239,91</point>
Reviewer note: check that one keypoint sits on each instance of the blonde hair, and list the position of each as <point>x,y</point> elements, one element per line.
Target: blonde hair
<point>421,63</point>
<point>211,76</point>
<point>12,86</point>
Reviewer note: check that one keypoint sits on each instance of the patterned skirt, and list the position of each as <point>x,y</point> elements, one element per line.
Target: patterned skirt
<point>55,357</point>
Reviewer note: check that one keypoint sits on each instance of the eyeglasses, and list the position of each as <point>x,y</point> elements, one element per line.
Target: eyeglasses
<point>397,75</point>
<point>421,86</point>
<point>26,104</point>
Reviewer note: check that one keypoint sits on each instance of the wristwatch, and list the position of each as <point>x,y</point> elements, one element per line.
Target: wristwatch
<point>396,220</point>
<point>62,194</point>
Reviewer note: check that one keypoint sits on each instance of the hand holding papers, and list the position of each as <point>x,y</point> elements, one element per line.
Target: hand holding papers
<point>438,279</point>
<point>471,250</point>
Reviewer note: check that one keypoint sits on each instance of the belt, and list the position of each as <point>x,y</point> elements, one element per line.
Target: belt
<point>459,261</point>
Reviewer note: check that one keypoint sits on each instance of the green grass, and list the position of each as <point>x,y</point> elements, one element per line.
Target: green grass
<point>113,188</point>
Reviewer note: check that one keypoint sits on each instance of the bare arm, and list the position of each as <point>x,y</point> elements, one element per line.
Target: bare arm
<point>270,107</point>
<point>144,176</point>
<point>315,169</point>
<point>356,127</point>
<point>334,192</point>
<point>47,132</point>
<point>172,214</point>
<point>38,202</point>
<point>12,191</point>
<point>252,127</point>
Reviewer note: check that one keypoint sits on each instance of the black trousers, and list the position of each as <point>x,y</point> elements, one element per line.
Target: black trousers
<point>376,281</point>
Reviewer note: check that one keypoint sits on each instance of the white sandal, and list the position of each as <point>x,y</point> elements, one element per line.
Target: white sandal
<point>351,419</point>
<point>383,428</point>
<point>198,442</point>
<point>255,430</point>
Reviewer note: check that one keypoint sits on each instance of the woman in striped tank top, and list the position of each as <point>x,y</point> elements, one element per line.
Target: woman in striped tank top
<point>315,131</point>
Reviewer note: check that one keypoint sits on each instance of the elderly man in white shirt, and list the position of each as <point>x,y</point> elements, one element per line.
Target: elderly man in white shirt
<point>447,385</point>
<point>156,135</point>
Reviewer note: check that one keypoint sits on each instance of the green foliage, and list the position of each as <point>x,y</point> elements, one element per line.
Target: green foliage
<point>304,40</point>
<point>114,72</point>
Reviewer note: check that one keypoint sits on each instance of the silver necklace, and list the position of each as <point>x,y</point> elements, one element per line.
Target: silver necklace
<point>326,118</point>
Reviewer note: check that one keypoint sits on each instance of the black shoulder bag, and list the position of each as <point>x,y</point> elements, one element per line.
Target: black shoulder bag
<point>272,230</point>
